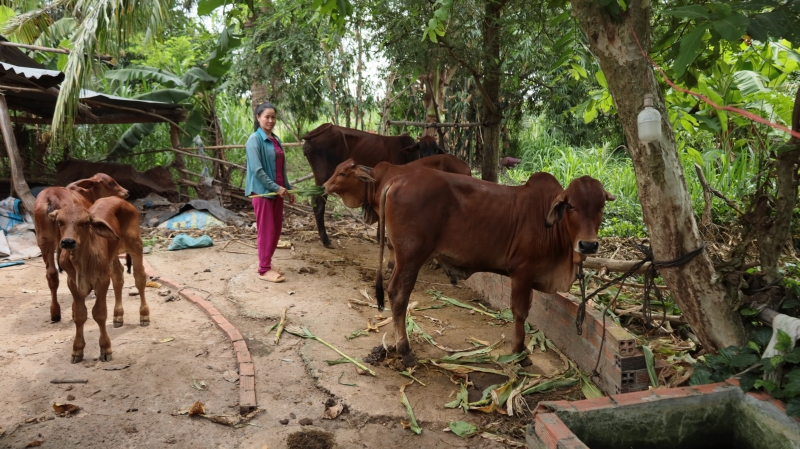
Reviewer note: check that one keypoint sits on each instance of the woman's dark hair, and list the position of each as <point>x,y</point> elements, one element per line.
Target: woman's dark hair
<point>260,109</point>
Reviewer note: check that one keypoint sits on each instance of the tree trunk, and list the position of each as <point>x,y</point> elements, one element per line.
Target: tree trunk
<point>387,104</point>
<point>259,93</point>
<point>491,84</point>
<point>666,204</point>
<point>359,78</point>
<point>14,159</point>
<point>179,162</point>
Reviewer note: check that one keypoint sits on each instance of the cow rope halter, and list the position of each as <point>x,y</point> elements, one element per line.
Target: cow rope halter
<point>650,275</point>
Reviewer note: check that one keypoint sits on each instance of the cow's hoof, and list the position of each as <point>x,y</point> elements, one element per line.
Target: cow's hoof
<point>55,318</point>
<point>105,357</point>
<point>76,358</point>
<point>117,323</point>
<point>409,360</point>
<point>144,322</point>
<point>328,245</point>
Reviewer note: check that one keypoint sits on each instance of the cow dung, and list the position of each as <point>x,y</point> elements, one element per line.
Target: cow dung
<point>310,439</point>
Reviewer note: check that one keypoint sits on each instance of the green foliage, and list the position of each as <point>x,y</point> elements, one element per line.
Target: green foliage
<point>735,361</point>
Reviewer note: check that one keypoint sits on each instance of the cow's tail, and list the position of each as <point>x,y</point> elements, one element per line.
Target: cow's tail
<point>128,262</point>
<point>379,295</point>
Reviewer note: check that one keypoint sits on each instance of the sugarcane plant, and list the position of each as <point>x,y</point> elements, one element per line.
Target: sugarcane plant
<point>306,192</point>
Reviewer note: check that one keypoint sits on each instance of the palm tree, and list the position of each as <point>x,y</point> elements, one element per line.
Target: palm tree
<point>104,26</point>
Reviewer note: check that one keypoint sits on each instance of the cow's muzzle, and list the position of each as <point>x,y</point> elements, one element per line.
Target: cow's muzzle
<point>68,243</point>
<point>588,247</point>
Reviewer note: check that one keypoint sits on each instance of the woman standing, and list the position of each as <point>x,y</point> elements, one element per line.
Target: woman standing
<point>266,173</point>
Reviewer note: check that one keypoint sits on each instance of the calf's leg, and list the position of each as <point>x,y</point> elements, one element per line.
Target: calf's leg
<point>141,282</point>
<point>520,306</point>
<point>319,216</point>
<point>118,279</point>
<point>100,313</point>
<point>79,316</point>
<point>52,279</point>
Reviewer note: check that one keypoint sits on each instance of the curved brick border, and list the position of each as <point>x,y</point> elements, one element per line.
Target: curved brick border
<point>247,379</point>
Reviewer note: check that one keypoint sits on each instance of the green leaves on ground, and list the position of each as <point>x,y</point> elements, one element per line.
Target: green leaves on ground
<point>462,428</point>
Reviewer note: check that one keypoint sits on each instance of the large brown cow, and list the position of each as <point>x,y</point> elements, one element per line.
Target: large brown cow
<point>91,241</point>
<point>536,234</point>
<point>83,192</point>
<point>329,145</point>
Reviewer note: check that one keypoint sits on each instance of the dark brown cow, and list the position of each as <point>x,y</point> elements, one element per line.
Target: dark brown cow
<point>91,241</point>
<point>536,234</point>
<point>83,192</point>
<point>329,145</point>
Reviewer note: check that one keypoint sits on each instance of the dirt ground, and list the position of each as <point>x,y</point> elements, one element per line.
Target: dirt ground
<point>134,400</point>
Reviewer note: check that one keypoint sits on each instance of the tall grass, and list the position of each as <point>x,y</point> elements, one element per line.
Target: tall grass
<point>545,149</point>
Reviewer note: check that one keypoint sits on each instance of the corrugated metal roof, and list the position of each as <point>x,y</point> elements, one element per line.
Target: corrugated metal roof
<point>87,94</point>
<point>42,77</point>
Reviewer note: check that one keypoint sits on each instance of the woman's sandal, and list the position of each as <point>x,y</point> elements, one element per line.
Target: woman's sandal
<point>272,276</point>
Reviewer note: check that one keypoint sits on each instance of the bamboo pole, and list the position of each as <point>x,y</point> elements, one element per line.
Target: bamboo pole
<point>62,51</point>
<point>434,124</point>
<point>240,167</point>
<point>17,176</point>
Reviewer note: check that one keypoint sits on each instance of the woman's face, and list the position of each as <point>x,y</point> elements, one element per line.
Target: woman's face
<point>267,120</point>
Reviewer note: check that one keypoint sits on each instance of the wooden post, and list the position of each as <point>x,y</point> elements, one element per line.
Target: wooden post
<point>17,176</point>
<point>180,163</point>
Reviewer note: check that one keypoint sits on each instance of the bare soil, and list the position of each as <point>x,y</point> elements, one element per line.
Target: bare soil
<point>182,358</point>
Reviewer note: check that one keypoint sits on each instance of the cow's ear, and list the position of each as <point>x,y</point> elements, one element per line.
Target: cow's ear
<point>609,197</point>
<point>439,150</point>
<point>102,229</point>
<point>364,175</point>
<point>412,149</point>
<point>85,183</point>
<point>556,210</point>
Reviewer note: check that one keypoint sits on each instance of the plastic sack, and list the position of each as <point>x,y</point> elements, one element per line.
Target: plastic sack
<point>192,219</point>
<point>183,241</point>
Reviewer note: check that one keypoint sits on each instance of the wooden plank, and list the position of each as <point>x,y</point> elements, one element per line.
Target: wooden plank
<point>17,177</point>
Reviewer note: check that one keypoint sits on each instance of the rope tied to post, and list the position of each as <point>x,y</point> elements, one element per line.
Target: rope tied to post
<point>650,275</point>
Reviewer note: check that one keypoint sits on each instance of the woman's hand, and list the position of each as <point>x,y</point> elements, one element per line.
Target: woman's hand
<point>291,198</point>
<point>281,191</point>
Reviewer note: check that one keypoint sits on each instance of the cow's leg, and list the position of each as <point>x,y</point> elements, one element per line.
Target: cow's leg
<point>319,216</point>
<point>520,306</point>
<point>100,313</point>
<point>390,264</point>
<point>79,316</point>
<point>400,286</point>
<point>141,282</point>
<point>52,279</point>
<point>118,279</point>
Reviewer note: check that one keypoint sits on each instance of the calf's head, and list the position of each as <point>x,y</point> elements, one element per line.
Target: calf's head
<point>78,227</point>
<point>348,181</point>
<point>99,186</point>
<point>580,208</point>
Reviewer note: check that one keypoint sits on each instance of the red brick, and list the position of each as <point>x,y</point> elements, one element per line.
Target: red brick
<point>680,392</point>
<point>593,404</point>
<point>232,332</point>
<point>247,401</point>
<point>246,369</point>
<point>247,382</point>
<point>551,429</point>
<point>778,403</point>
<point>219,320</point>
<point>709,388</point>
<point>734,382</point>
<point>760,395</point>
<point>633,398</point>
<point>242,353</point>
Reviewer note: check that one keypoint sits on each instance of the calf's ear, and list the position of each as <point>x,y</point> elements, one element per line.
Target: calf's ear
<point>85,183</point>
<point>609,197</point>
<point>102,229</point>
<point>556,210</point>
<point>364,175</point>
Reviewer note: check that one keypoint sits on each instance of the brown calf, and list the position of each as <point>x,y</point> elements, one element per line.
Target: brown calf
<point>90,242</point>
<point>83,193</point>
<point>536,234</point>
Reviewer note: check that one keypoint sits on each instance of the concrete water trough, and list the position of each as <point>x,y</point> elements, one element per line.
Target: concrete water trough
<point>706,416</point>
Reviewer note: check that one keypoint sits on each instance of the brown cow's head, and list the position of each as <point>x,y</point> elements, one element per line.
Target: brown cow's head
<point>581,208</point>
<point>99,186</point>
<point>427,146</point>
<point>76,224</point>
<point>348,181</point>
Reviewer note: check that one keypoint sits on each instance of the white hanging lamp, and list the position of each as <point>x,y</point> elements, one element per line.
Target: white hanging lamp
<point>649,121</point>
